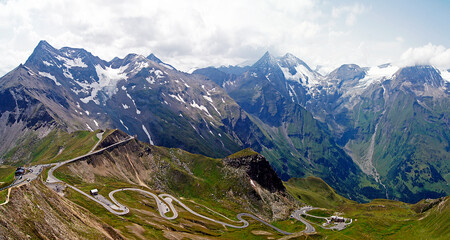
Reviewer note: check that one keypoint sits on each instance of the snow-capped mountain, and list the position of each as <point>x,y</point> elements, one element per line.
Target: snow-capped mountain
<point>365,125</point>
<point>135,94</point>
<point>296,70</point>
<point>377,114</point>
<point>70,89</point>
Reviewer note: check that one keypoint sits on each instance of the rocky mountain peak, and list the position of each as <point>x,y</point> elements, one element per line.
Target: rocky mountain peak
<point>265,61</point>
<point>348,72</point>
<point>44,45</point>
<point>419,75</point>
<point>291,61</point>
<point>154,58</point>
<point>257,168</point>
<point>42,52</point>
<point>295,69</point>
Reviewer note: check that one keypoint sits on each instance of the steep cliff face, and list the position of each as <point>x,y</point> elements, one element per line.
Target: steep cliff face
<point>266,186</point>
<point>257,168</point>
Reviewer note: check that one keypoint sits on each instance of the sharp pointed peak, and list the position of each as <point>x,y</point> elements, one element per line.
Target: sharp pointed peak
<point>152,57</point>
<point>289,55</point>
<point>44,45</point>
<point>267,53</point>
<point>43,42</point>
<point>42,51</point>
<point>265,59</point>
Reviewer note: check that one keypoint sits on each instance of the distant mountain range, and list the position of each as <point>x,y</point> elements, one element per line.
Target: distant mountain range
<point>368,132</point>
<point>392,121</point>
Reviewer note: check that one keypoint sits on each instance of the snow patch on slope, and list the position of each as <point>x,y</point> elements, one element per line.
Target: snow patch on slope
<point>177,97</point>
<point>134,103</point>
<point>70,63</point>
<point>48,75</point>
<point>89,127</point>
<point>201,107</point>
<point>47,63</point>
<point>148,135</point>
<point>67,74</point>
<point>123,124</point>
<point>302,75</point>
<point>445,74</point>
<point>209,99</point>
<point>107,81</point>
<point>375,74</point>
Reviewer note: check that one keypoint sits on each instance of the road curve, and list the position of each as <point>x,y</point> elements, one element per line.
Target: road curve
<point>52,179</point>
<point>239,217</point>
<point>122,210</point>
<point>165,195</point>
<point>298,215</point>
<point>161,205</point>
<point>7,198</point>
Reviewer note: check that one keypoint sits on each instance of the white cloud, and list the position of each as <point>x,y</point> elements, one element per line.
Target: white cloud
<point>196,33</point>
<point>350,12</point>
<point>185,33</point>
<point>430,54</point>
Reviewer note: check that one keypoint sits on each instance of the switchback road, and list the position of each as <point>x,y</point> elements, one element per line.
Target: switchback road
<point>164,206</point>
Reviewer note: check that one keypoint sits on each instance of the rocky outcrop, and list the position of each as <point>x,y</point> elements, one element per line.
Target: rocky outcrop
<point>257,168</point>
<point>266,186</point>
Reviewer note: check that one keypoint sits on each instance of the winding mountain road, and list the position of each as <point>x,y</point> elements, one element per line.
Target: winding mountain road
<point>164,201</point>
<point>298,215</point>
<point>52,179</point>
<point>164,206</point>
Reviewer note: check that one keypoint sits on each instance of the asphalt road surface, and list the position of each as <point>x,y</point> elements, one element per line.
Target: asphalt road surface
<point>309,228</point>
<point>164,201</point>
<point>52,179</point>
<point>298,215</point>
<point>163,207</point>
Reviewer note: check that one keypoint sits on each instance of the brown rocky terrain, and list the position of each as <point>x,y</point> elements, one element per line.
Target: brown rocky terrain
<point>36,212</point>
<point>245,178</point>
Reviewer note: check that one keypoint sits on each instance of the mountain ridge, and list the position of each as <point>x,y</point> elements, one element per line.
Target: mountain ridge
<point>298,119</point>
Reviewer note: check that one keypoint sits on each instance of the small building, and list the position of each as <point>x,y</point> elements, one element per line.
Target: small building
<point>336,219</point>
<point>94,192</point>
<point>20,171</point>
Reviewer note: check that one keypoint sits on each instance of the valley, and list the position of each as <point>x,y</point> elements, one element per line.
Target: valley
<point>127,192</point>
<point>133,148</point>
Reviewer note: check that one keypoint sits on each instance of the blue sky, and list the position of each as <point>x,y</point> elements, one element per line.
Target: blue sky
<point>418,22</point>
<point>199,33</point>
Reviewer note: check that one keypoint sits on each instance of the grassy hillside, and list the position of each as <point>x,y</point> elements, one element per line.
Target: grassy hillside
<point>55,147</point>
<point>406,139</point>
<point>6,175</point>
<point>205,184</point>
<point>379,219</point>
<point>208,186</point>
<point>315,192</point>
